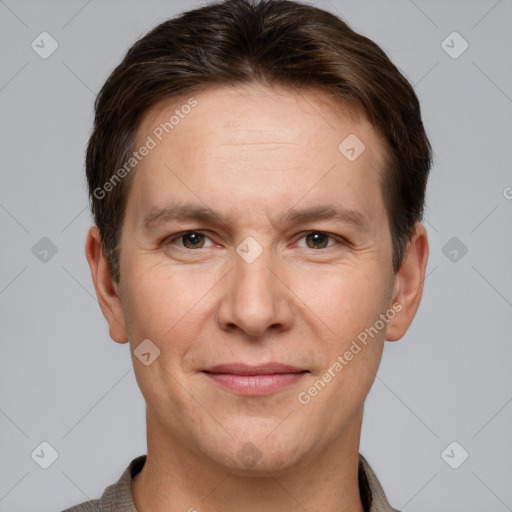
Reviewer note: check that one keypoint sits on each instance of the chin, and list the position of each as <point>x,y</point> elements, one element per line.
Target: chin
<point>256,452</point>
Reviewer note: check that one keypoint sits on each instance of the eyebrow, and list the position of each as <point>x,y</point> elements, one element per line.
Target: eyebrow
<point>158,216</point>
<point>338,214</point>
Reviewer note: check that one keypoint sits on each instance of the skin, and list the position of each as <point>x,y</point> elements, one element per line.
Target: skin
<point>254,154</point>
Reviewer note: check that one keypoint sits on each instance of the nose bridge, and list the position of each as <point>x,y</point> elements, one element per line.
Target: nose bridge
<point>252,276</point>
<point>255,300</point>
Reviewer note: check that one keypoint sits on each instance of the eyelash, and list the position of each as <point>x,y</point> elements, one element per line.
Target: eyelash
<point>180,235</point>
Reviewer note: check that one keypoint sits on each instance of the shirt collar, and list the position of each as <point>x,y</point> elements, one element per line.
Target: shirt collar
<point>118,497</point>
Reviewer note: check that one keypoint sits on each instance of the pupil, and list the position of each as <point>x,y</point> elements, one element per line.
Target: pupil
<point>317,239</point>
<point>192,239</point>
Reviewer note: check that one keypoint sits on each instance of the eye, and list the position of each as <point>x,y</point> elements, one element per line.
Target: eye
<point>197,240</point>
<point>317,240</point>
<point>190,240</point>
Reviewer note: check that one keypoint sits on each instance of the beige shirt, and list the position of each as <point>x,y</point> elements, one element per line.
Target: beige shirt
<point>118,497</point>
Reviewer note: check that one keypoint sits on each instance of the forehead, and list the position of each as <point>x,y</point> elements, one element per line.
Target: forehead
<point>256,110</point>
<point>257,140</point>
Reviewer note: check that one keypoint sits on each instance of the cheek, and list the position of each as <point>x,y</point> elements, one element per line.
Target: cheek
<point>164,305</point>
<point>346,300</point>
<point>161,302</point>
<point>347,304</point>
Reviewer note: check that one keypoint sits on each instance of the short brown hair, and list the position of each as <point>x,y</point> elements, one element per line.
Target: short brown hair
<point>282,42</point>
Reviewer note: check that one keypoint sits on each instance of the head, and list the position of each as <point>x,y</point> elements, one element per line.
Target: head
<point>257,174</point>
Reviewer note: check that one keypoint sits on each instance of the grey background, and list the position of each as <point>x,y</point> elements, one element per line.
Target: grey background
<point>63,381</point>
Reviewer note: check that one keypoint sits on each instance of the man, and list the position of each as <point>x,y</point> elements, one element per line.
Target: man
<point>257,173</point>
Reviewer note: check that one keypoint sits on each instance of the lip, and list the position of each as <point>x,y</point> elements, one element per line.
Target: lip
<point>261,369</point>
<point>258,380</point>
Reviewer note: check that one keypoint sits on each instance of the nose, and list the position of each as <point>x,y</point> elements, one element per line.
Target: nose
<point>257,299</point>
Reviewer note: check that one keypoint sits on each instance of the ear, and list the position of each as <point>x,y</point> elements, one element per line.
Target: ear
<point>408,285</point>
<point>106,290</point>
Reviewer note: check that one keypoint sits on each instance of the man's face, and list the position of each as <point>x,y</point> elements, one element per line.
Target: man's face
<point>266,278</point>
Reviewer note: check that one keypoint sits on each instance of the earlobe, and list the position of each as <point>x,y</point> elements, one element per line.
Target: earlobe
<point>107,291</point>
<point>408,286</point>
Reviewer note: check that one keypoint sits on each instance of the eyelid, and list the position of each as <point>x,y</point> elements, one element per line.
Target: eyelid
<point>300,236</point>
<point>177,236</point>
<point>332,236</point>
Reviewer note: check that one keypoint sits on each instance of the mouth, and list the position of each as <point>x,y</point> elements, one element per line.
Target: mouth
<point>258,380</point>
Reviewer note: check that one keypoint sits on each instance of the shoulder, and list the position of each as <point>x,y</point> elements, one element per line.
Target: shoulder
<point>86,506</point>
<point>117,496</point>
<point>372,494</point>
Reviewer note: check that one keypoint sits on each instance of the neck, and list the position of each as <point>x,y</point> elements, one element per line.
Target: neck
<point>176,479</point>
